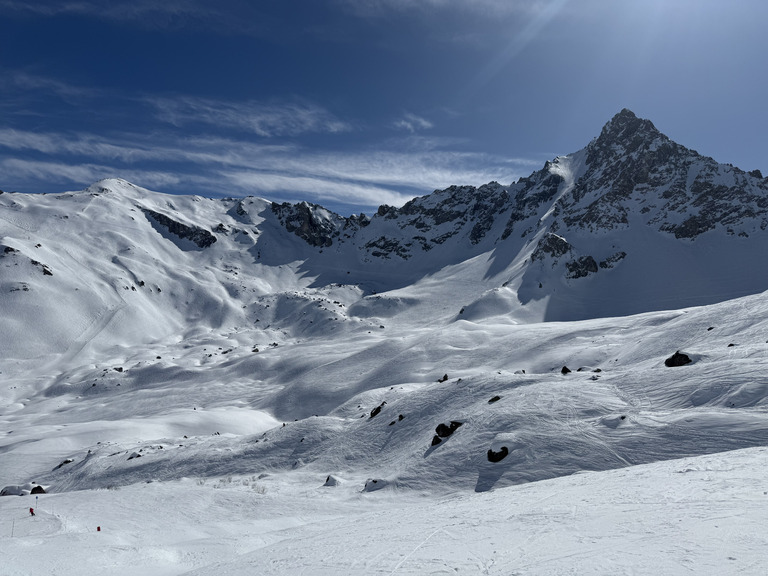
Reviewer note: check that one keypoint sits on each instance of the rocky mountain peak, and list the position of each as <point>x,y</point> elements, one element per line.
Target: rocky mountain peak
<point>625,125</point>
<point>624,134</point>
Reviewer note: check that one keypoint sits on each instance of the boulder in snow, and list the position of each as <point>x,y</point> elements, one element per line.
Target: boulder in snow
<point>677,359</point>
<point>498,456</point>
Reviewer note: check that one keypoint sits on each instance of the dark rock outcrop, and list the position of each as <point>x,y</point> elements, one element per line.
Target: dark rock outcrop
<point>306,221</point>
<point>446,430</point>
<point>375,411</point>
<point>581,267</point>
<point>677,359</point>
<point>498,456</point>
<point>200,237</point>
<point>612,260</point>
<point>551,245</point>
<point>63,462</point>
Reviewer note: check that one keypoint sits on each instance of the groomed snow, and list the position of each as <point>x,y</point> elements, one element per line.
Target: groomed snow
<point>703,515</point>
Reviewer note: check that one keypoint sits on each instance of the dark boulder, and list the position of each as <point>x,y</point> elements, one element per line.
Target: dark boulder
<point>498,456</point>
<point>63,462</point>
<point>378,408</point>
<point>445,430</point>
<point>677,359</point>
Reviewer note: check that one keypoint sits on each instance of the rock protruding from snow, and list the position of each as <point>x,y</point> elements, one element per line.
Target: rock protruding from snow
<point>446,430</point>
<point>677,359</point>
<point>443,431</point>
<point>199,236</point>
<point>499,455</point>
<point>581,267</point>
<point>310,222</point>
<point>551,245</point>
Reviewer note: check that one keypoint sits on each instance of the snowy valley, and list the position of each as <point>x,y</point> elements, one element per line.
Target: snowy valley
<point>475,382</point>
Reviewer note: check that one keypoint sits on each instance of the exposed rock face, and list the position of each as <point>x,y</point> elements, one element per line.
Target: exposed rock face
<point>581,267</point>
<point>613,259</point>
<point>630,172</point>
<point>531,194</point>
<point>384,247</point>
<point>551,245</point>
<point>681,192</point>
<point>200,237</point>
<point>317,226</point>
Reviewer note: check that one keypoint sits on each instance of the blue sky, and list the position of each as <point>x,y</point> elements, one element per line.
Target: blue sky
<point>356,103</point>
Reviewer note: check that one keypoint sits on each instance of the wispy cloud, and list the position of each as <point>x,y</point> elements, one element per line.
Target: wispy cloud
<point>134,148</point>
<point>25,82</point>
<point>263,119</point>
<point>82,174</point>
<point>413,123</point>
<point>318,188</point>
<point>363,177</point>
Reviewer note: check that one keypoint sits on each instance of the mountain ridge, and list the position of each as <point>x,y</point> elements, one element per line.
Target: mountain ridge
<point>151,336</point>
<point>632,209</point>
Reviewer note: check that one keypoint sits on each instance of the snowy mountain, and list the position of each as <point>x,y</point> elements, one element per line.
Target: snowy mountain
<point>631,223</point>
<point>472,340</point>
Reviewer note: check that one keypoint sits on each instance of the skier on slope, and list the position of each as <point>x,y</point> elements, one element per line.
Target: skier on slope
<point>31,511</point>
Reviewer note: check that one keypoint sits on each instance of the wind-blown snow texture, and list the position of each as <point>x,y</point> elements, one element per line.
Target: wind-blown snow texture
<point>421,351</point>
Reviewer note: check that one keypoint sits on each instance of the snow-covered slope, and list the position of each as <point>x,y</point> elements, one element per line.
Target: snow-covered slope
<point>631,223</point>
<point>702,515</point>
<point>162,343</point>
